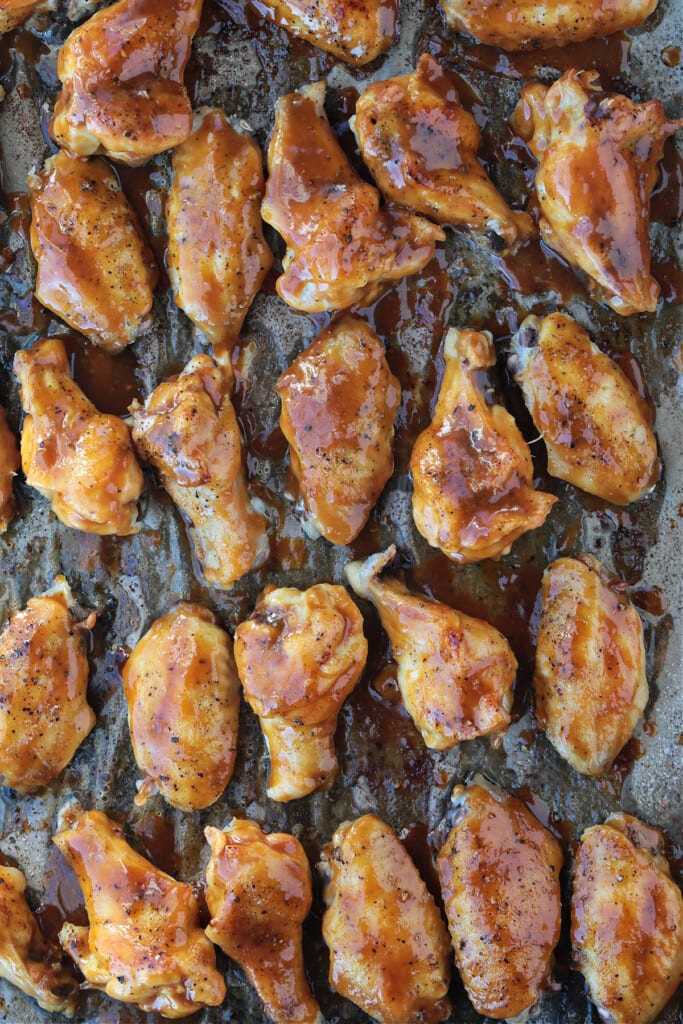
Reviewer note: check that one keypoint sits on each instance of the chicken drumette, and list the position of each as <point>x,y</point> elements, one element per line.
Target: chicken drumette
<point>14,12</point>
<point>354,32</point>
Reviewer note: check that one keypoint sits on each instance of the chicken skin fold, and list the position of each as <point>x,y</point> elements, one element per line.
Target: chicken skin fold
<point>598,154</point>
<point>342,248</point>
<point>355,32</point>
<point>259,892</point>
<point>299,656</point>
<point>143,943</point>
<point>122,77</point>
<point>421,146</point>
<point>10,462</point>
<point>339,402</point>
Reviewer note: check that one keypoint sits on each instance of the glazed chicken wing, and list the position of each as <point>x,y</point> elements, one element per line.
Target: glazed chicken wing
<point>259,892</point>
<point>421,146</point>
<point>472,473</point>
<point>627,920</point>
<point>388,944</point>
<point>183,699</point>
<point>499,871</point>
<point>598,154</point>
<point>10,462</point>
<point>298,657</point>
<point>187,429</point>
<point>14,12</point>
<point>143,943</point>
<point>44,714</point>
<point>590,680</point>
<point>356,31</point>
<point>95,270</point>
<point>122,75</point>
<point>339,402</point>
<point>455,673</point>
<point>342,249</point>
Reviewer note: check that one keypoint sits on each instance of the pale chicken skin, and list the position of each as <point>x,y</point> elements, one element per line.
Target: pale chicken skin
<point>187,429</point>
<point>183,699</point>
<point>590,681</point>
<point>10,462</point>
<point>80,459</point>
<point>14,12</point>
<point>472,472</point>
<point>339,402</point>
<point>122,76</point>
<point>259,892</point>
<point>421,146</point>
<point>144,943</point>
<point>342,248</point>
<point>95,270</point>
<point>626,920</point>
<point>356,31</point>
<point>217,256</point>
<point>44,712</point>
<point>499,873</point>
<point>596,428</point>
<point>299,656</point>
<point>389,950</point>
<point>455,673</point>
<point>598,154</point>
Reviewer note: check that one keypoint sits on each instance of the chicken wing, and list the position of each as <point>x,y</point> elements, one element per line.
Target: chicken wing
<point>80,459</point>
<point>472,473</point>
<point>455,673</point>
<point>44,714</point>
<point>122,75</point>
<point>356,32</point>
<point>14,12</point>
<point>590,680</point>
<point>187,429</point>
<point>95,270</point>
<point>10,462</point>
<point>342,249</point>
<point>144,943</point>
<point>259,892</point>
<point>299,656</point>
<point>183,699</point>
<point>499,871</point>
<point>217,256</point>
<point>421,147</point>
<point>388,944</point>
<point>627,920</point>
<point>596,427</point>
<point>339,402</point>
<point>598,154</point>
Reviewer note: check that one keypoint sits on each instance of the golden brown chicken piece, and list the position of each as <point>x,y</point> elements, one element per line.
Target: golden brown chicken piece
<point>355,32</point>
<point>299,656</point>
<point>95,270</point>
<point>421,147</point>
<point>14,12</point>
<point>499,871</point>
<point>388,944</point>
<point>144,943</point>
<point>342,249</point>
<point>590,680</point>
<point>472,473</point>
<point>26,959</point>
<point>122,75</point>
<point>44,714</point>
<point>183,699</point>
<point>627,920</point>
<point>10,462</point>
<point>455,673</point>
<point>339,402</point>
<point>596,427</point>
<point>80,459</point>
<point>217,255</point>
<point>187,429</point>
<point>598,154</point>
<point>259,892</point>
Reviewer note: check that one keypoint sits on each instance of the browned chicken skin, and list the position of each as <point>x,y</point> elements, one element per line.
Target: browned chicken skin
<point>299,656</point>
<point>14,12</point>
<point>10,462</point>
<point>144,943</point>
<point>339,402</point>
<point>259,892</point>
<point>421,147</point>
<point>598,154</point>
<point>499,871</point>
<point>356,31</point>
<point>122,75</point>
<point>627,920</point>
<point>342,249</point>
